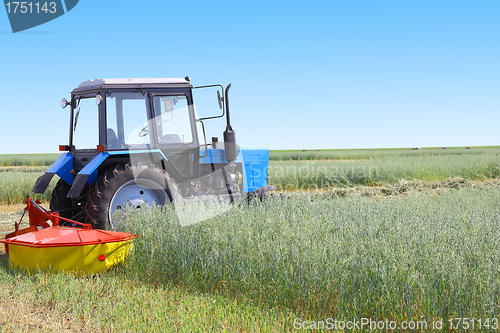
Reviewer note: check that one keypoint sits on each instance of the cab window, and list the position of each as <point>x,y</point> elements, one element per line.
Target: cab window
<point>172,120</point>
<point>127,120</point>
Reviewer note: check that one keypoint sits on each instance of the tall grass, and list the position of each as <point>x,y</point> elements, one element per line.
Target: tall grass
<point>17,182</point>
<point>420,256</point>
<point>27,159</point>
<point>356,154</point>
<point>293,175</point>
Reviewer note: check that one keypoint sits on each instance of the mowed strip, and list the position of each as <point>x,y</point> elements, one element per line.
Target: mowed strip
<point>111,302</point>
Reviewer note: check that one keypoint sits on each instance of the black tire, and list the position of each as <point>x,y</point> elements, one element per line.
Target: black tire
<point>118,182</point>
<point>65,206</point>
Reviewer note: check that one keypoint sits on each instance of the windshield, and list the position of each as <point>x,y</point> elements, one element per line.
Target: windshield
<point>86,124</point>
<point>173,119</point>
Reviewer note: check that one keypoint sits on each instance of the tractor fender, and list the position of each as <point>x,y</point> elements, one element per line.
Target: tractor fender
<point>62,167</point>
<point>87,175</point>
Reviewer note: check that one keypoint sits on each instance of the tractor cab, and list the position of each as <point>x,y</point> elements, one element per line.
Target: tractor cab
<point>120,115</point>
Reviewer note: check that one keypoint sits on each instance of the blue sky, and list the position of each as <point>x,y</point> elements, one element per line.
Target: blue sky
<point>305,75</point>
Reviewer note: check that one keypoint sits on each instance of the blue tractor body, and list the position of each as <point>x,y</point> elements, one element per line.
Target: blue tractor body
<point>255,166</point>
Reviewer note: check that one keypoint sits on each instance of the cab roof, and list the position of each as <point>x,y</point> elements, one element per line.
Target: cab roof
<point>98,84</point>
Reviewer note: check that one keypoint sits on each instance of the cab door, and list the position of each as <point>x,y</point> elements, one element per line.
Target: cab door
<point>175,132</point>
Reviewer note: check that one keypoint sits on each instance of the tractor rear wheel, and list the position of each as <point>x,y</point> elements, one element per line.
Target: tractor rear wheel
<point>126,186</point>
<point>65,206</point>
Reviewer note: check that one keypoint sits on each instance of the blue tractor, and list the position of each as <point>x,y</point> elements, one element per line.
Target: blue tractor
<point>138,142</point>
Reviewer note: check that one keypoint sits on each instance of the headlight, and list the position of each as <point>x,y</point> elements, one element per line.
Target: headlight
<point>64,103</point>
<point>98,99</point>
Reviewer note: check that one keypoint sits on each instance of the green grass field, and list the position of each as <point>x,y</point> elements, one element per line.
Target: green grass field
<point>398,235</point>
<point>112,302</point>
<point>27,159</point>
<point>422,255</point>
<point>17,182</point>
<point>357,154</point>
<point>259,266</point>
<point>390,169</point>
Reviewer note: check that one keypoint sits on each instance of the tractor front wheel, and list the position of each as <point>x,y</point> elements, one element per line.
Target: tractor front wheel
<point>126,186</point>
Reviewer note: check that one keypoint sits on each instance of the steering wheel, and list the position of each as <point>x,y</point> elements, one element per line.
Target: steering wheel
<point>144,131</point>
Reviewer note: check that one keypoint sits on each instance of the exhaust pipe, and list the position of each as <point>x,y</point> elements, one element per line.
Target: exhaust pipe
<point>229,135</point>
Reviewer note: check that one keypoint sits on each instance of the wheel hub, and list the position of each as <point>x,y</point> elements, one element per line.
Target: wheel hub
<point>136,193</point>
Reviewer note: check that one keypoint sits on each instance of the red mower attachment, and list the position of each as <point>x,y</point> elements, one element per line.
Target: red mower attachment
<point>61,248</point>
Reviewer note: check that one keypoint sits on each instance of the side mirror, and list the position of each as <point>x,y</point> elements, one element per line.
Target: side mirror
<point>219,99</point>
